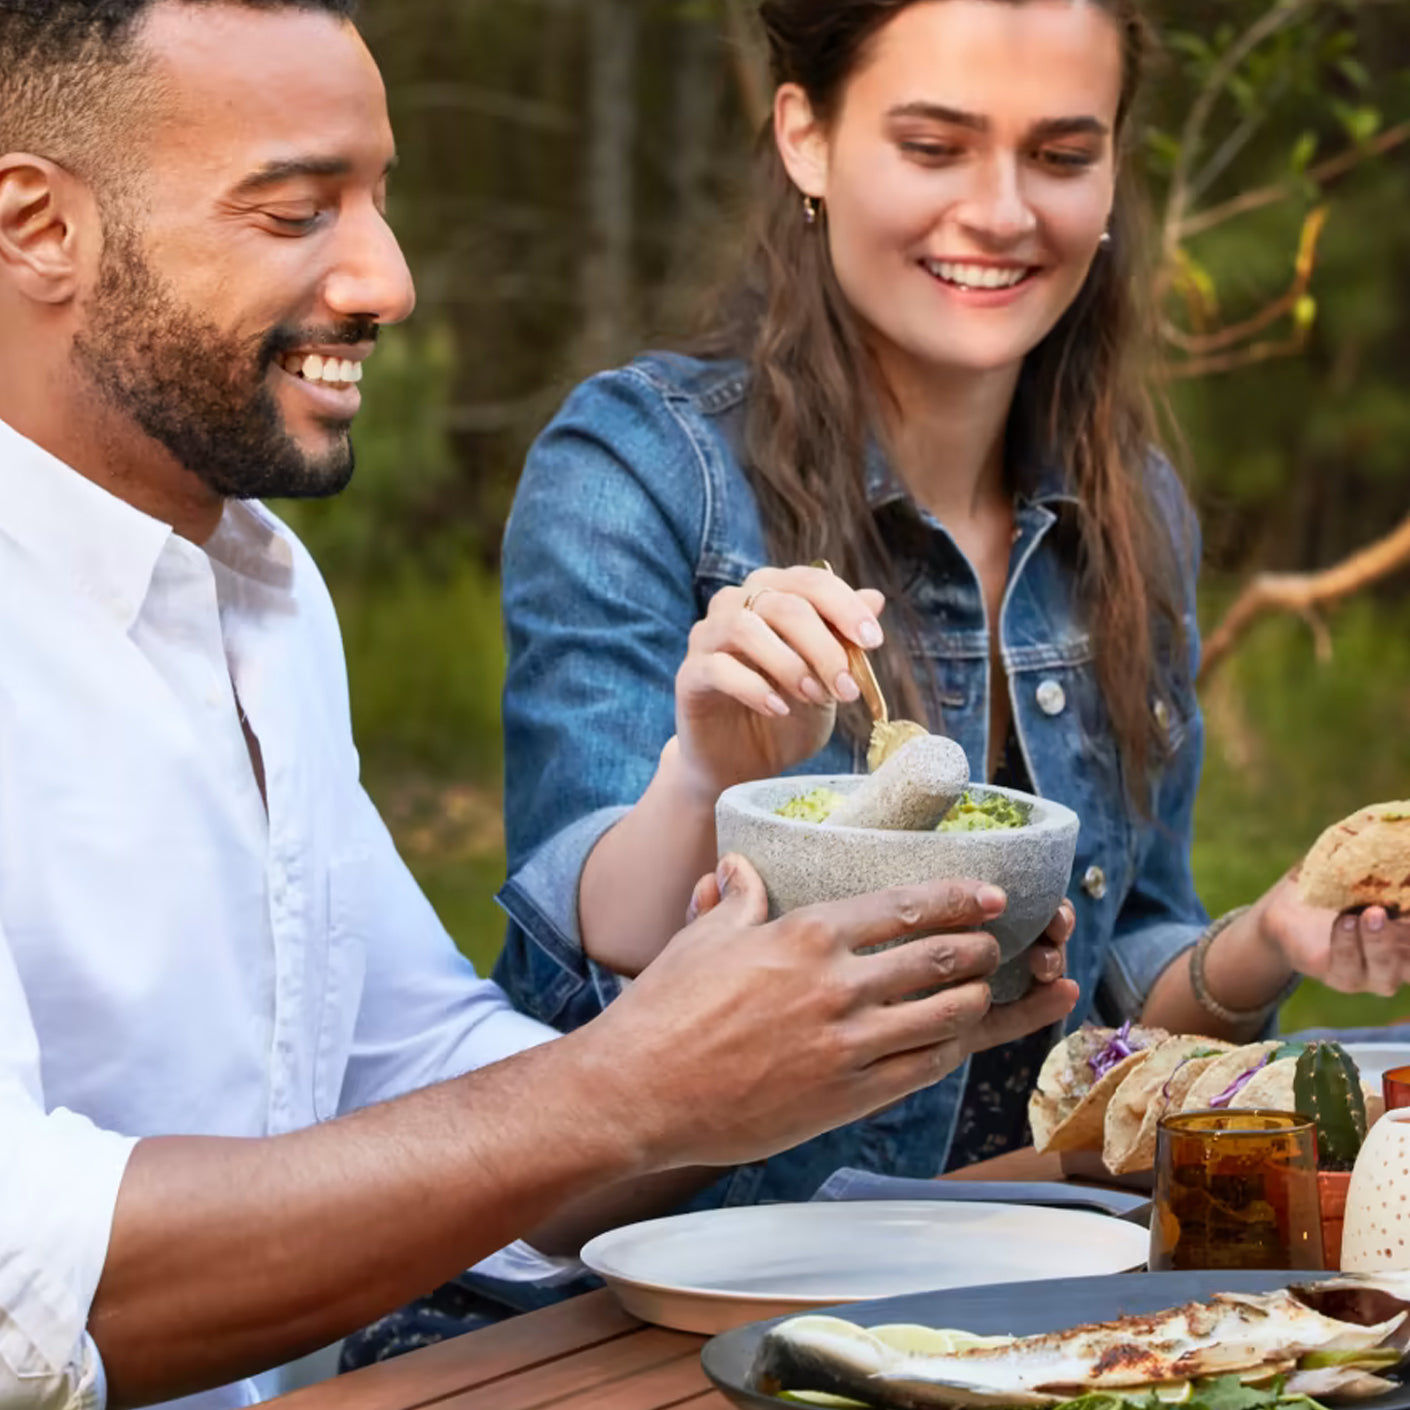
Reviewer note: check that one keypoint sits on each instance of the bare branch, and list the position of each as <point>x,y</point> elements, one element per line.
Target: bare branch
<point>1230,148</point>
<point>1304,594</point>
<point>1283,13</point>
<point>1319,175</point>
<point>1203,344</point>
<point>1218,363</point>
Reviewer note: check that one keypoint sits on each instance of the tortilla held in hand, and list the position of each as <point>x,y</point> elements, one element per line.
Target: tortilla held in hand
<point>1148,1091</point>
<point>1364,860</point>
<point>1067,1110</point>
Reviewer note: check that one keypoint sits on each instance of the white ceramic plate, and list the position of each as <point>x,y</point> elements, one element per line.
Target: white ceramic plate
<point>1372,1059</point>
<point>716,1269</point>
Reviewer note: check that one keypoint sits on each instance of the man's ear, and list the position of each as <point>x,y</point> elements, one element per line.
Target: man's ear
<point>802,141</point>
<point>48,220</point>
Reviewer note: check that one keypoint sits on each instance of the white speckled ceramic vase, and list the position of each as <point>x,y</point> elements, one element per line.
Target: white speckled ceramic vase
<point>1376,1232</point>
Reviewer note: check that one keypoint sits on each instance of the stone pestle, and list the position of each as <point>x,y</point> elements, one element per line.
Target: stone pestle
<point>912,790</point>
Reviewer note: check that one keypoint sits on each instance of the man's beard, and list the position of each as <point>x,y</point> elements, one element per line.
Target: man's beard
<point>202,393</point>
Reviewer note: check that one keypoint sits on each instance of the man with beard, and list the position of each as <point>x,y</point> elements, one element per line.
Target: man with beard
<point>250,1096</point>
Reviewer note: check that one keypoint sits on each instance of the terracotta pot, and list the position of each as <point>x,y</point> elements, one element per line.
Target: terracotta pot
<point>1331,1193</point>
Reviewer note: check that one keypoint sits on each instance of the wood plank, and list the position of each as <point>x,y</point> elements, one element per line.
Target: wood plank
<point>645,1370</point>
<point>422,1377</point>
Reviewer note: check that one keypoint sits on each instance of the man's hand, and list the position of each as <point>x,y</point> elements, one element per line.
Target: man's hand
<point>745,1038</point>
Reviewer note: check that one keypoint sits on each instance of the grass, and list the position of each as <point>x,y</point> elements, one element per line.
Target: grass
<point>1293,745</point>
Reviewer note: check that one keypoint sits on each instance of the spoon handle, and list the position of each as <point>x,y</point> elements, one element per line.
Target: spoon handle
<point>859,664</point>
<point>860,667</point>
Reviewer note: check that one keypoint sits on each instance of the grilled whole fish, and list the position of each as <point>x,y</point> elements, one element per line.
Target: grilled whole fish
<point>1242,1334</point>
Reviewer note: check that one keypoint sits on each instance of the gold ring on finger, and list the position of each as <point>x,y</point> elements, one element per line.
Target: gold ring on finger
<point>754,596</point>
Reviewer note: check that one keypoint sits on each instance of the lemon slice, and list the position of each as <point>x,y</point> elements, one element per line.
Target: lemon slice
<point>915,1340</point>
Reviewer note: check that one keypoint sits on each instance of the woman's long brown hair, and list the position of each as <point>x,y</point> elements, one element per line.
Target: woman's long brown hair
<point>1082,400</point>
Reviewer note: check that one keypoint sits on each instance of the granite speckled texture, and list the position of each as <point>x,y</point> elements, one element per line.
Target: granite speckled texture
<point>912,789</point>
<point>802,863</point>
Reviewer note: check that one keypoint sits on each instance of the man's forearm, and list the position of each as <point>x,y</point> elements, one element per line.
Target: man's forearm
<point>230,1256</point>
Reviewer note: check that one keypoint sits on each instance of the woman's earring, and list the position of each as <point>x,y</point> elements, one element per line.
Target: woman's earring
<point>810,210</point>
<point>1105,240</point>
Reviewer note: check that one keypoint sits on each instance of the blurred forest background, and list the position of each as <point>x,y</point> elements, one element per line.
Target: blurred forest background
<point>569,183</point>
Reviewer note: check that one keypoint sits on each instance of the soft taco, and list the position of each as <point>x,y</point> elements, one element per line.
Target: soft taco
<point>1223,1080</point>
<point>1146,1093</point>
<point>1364,860</point>
<point>1258,1075</point>
<point>1067,1110</point>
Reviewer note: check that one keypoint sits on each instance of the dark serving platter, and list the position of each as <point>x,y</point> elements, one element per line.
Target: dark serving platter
<point>1017,1309</point>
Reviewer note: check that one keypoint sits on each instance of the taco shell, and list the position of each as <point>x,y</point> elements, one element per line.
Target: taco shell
<point>1222,1071</point>
<point>1364,860</point>
<point>1270,1087</point>
<point>1156,1086</point>
<point>1067,1114</point>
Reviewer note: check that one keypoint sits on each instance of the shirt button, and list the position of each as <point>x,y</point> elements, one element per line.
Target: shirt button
<point>1094,883</point>
<point>1051,697</point>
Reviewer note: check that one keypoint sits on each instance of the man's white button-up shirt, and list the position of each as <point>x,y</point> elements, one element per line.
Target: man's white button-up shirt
<point>176,958</point>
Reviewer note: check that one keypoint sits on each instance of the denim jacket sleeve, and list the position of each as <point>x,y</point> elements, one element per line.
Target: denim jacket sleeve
<point>1162,916</point>
<point>599,598</point>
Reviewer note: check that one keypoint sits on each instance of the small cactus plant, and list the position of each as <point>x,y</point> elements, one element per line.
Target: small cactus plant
<point>1327,1087</point>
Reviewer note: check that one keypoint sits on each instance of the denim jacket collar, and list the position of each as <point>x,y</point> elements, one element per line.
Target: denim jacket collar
<point>1047,482</point>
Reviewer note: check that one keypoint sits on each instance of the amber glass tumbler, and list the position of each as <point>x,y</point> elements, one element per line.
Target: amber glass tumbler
<point>1395,1087</point>
<point>1236,1189</point>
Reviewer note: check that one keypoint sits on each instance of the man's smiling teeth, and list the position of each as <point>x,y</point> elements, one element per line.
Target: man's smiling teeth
<point>977,276</point>
<point>336,371</point>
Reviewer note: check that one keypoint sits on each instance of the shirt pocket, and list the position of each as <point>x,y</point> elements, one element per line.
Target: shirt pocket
<point>345,970</point>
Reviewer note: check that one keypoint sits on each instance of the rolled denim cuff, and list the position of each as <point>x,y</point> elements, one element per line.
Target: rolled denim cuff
<point>1138,958</point>
<point>541,898</point>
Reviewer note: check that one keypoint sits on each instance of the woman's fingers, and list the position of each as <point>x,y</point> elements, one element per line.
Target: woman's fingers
<point>787,622</point>
<point>846,610</point>
<point>720,674</point>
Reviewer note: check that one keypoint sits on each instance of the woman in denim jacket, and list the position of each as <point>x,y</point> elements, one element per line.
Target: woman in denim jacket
<point>927,375</point>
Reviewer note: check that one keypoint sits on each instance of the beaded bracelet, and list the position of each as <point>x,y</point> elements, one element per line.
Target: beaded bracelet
<point>1200,984</point>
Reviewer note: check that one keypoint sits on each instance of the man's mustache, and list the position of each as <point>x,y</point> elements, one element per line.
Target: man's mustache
<point>354,330</point>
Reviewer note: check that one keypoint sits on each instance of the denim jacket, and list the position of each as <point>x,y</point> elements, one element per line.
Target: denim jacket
<point>633,510</point>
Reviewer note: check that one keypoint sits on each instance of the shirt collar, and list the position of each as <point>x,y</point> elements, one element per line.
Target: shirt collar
<point>103,546</point>
<point>1043,481</point>
<point>96,542</point>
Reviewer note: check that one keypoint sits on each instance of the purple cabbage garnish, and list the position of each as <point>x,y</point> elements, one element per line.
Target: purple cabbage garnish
<point>1165,1090</point>
<point>1117,1049</point>
<point>1238,1084</point>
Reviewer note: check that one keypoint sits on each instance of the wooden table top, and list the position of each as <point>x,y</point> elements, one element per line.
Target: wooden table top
<point>584,1354</point>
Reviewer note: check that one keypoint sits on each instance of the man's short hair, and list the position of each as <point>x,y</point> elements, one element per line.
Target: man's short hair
<point>73,76</point>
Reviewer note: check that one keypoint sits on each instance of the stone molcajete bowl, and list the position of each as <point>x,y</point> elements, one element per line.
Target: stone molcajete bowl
<point>802,863</point>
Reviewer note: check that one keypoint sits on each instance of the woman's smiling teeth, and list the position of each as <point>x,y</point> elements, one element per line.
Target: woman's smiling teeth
<point>332,371</point>
<point>978,276</point>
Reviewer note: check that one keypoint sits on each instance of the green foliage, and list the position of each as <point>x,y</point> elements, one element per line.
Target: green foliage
<point>425,667</point>
<point>1292,746</point>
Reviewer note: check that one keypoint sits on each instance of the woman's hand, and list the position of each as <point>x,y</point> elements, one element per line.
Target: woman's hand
<point>759,688</point>
<point>1365,953</point>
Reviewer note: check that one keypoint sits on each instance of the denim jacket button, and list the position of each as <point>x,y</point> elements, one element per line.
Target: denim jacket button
<point>1094,883</point>
<point>1052,698</point>
<point>1161,711</point>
